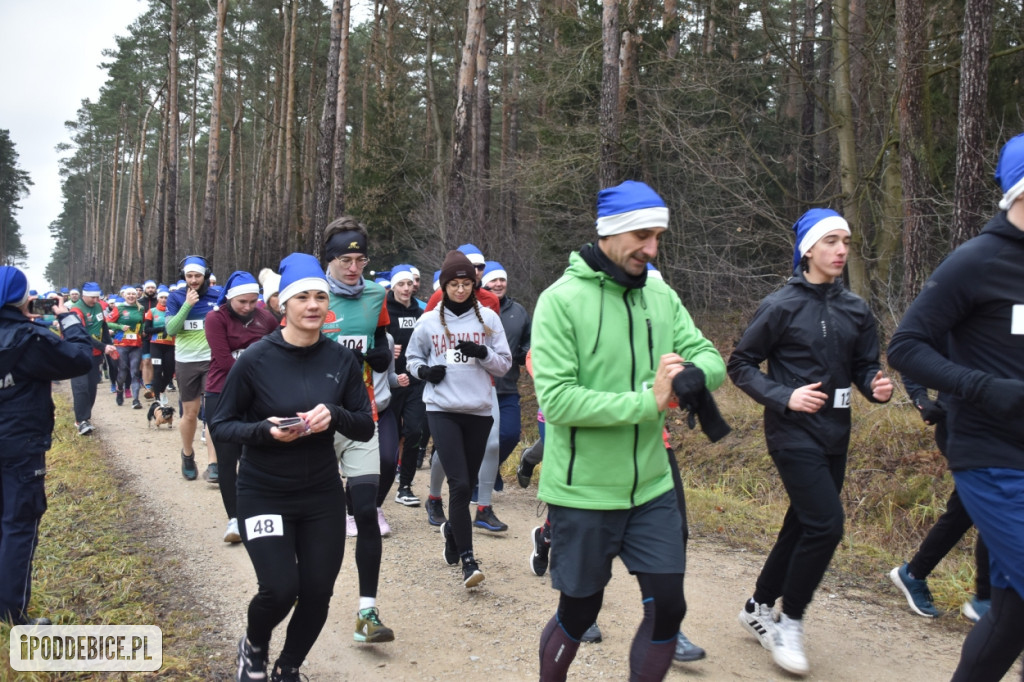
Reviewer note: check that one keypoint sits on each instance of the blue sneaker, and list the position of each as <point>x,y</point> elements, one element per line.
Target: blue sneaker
<point>486,519</point>
<point>919,597</point>
<point>687,651</point>
<point>975,609</point>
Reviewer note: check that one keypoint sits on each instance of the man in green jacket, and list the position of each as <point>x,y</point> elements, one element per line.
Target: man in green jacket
<point>610,348</point>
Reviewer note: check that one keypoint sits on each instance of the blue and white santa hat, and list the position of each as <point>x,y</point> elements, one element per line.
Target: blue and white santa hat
<point>630,206</point>
<point>148,282</point>
<point>64,291</point>
<point>13,286</point>
<point>194,264</point>
<point>402,273</point>
<point>383,281</point>
<point>91,289</point>
<point>415,271</point>
<point>162,289</point>
<point>437,280</point>
<point>492,271</point>
<point>812,226</point>
<point>74,291</point>
<point>239,282</point>
<point>180,284</point>
<point>1010,171</point>
<point>475,255</point>
<point>654,272</point>
<point>301,272</point>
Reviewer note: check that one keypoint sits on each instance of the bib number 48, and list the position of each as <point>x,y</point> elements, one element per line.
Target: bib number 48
<point>263,526</point>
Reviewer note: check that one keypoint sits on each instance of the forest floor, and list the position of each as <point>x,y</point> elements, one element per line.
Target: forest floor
<point>854,631</point>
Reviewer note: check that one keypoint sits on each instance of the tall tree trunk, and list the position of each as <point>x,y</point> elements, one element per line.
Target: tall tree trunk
<point>232,223</point>
<point>608,117</point>
<point>213,151</point>
<point>193,221</point>
<point>328,120</point>
<point>910,45</point>
<point>140,195</point>
<point>482,142</point>
<point>285,241</point>
<point>171,252</point>
<point>629,55</point>
<point>461,137</point>
<point>807,187</point>
<point>971,187</point>
<point>670,19</point>
<point>340,121</point>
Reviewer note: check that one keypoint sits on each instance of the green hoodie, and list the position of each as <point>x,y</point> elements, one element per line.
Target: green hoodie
<point>596,349</point>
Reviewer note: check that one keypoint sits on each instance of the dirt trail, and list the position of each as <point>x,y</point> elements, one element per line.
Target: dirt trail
<point>491,632</point>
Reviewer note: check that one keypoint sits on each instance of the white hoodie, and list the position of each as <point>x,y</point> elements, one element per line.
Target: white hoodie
<point>466,386</point>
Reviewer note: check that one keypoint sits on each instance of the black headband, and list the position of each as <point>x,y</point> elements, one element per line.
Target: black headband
<point>340,243</point>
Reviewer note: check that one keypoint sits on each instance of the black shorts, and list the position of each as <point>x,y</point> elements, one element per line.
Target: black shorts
<point>191,379</point>
<point>584,542</point>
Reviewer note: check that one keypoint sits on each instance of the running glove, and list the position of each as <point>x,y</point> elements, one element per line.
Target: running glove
<point>688,385</point>
<point>434,373</point>
<point>470,349</point>
<point>932,412</point>
<point>378,358</point>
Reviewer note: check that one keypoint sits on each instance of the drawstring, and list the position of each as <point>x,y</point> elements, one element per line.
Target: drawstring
<point>600,317</point>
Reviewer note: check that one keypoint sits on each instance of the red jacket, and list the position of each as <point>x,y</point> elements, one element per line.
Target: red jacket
<point>228,336</point>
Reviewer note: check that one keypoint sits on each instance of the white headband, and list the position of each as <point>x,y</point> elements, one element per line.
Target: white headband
<point>640,219</point>
<point>493,275</point>
<point>820,229</point>
<point>1012,195</point>
<point>304,284</point>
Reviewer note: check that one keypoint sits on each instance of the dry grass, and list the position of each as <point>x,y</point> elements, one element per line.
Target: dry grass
<point>93,566</point>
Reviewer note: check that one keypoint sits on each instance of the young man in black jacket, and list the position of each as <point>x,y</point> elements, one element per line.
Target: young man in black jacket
<point>31,356</point>
<point>964,335</point>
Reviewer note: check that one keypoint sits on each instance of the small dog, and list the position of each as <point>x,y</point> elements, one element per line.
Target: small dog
<point>160,414</point>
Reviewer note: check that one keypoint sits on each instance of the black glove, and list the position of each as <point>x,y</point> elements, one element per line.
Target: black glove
<point>434,373</point>
<point>519,358</point>
<point>688,385</point>
<point>932,412</point>
<point>472,350</point>
<point>378,358</point>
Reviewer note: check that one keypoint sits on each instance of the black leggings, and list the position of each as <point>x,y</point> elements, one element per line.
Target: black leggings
<point>228,455</point>
<point>361,493</point>
<point>944,535</point>
<point>387,436</point>
<point>460,440</point>
<point>162,355</point>
<point>297,567</point>
<point>664,608</point>
<point>995,642</point>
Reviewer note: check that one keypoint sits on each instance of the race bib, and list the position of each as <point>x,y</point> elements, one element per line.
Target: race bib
<point>1017,320</point>
<point>353,342</point>
<point>193,325</point>
<point>406,322</point>
<point>454,357</point>
<point>842,399</point>
<point>264,526</point>
<point>157,362</point>
<point>128,336</point>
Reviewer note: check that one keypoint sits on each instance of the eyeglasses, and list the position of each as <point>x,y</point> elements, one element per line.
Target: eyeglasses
<point>479,266</point>
<point>459,286</point>
<point>347,261</point>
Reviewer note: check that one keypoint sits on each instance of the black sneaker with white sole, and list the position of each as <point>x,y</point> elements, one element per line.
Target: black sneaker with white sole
<point>406,497</point>
<point>471,573</point>
<point>451,550</point>
<point>252,662</point>
<point>539,556</point>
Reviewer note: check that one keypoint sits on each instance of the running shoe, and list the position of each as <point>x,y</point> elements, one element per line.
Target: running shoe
<point>284,673</point>
<point>188,466</point>
<point>136,404</point>
<point>231,534</point>
<point>202,434</point>
<point>788,652</point>
<point>486,519</point>
<point>975,609</point>
<point>451,550</point>
<point>406,497</point>
<point>128,392</point>
<point>385,527</point>
<point>369,628</point>
<point>113,388</point>
<point>148,394</point>
<point>435,511</point>
<point>687,651</point>
<point>212,473</point>
<point>524,474</point>
<point>252,662</point>
<point>539,555</point>
<point>171,387</point>
<point>119,399</point>
<point>85,428</point>
<point>758,620</point>
<point>350,526</point>
<point>471,573</point>
<point>592,635</point>
<point>919,597</point>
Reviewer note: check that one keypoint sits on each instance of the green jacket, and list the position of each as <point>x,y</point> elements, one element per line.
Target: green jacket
<point>596,348</point>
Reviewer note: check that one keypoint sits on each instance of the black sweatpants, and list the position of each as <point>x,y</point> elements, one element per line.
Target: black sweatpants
<point>460,440</point>
<point>83,390</point>
<point>296,552</point>
<point>411,413</point>
<point>228,455</point>
<point>811,529</point>
<point>162,355</point>
<point>943,536</point>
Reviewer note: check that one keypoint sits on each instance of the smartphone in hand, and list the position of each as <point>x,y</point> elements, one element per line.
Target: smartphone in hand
<point>291,423</point>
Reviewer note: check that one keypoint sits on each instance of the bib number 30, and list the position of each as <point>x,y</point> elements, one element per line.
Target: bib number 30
<point>454,357</point>
<point>264,526</point>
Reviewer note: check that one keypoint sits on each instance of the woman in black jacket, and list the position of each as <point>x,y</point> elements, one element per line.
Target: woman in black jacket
<point>820,341</point>
<point>283,401</point>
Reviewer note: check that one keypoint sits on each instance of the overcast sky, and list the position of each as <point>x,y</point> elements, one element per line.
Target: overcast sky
<point>50,52</point>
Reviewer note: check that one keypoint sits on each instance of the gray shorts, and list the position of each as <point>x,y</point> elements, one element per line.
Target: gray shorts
<point>357,458</point>
<point>191,379</point>
<point>584,542</point>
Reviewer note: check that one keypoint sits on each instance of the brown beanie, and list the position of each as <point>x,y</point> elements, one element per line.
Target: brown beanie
<point>456,266</point>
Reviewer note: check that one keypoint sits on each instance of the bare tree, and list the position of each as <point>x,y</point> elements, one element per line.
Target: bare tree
<point>608,171</point>
<point>213,150</point>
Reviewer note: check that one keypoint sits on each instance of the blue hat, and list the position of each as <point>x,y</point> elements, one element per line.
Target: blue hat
<point>654,272</point>
<point>13,286</point>
<point>300,272</point>
<point>437,280</point>
<point>148,282</point>
<point>64,290</point>
<point>91,289</point>
<point>1010,171</point>
<point>475,255</point>
<point>33,292</point>
<point>194,264</point>
<point>239,282</point>
<point>812,226</point>
<point>401,273</point>
<point>162,289</point>
<point>492,271</point>
<point>630,206</point>
<point>384,282</point>
<point>118,299</point>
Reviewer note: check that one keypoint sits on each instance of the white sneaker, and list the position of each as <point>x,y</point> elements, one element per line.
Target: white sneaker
<point>788,652</point>
<point>350,526</point>
<point>761,624</point>
<point>385,528</point>
<point>231,534</point>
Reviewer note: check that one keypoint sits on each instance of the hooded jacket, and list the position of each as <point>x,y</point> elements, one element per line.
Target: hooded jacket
<point>403,319</point>
<point>807,333</point>
<point>32,356</point>
<point>276,379</point>
<point>596,346</point>
<point>964,335</point>
<point>516,321</point>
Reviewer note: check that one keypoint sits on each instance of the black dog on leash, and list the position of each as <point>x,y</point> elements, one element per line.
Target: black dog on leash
<point>161,414</point>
